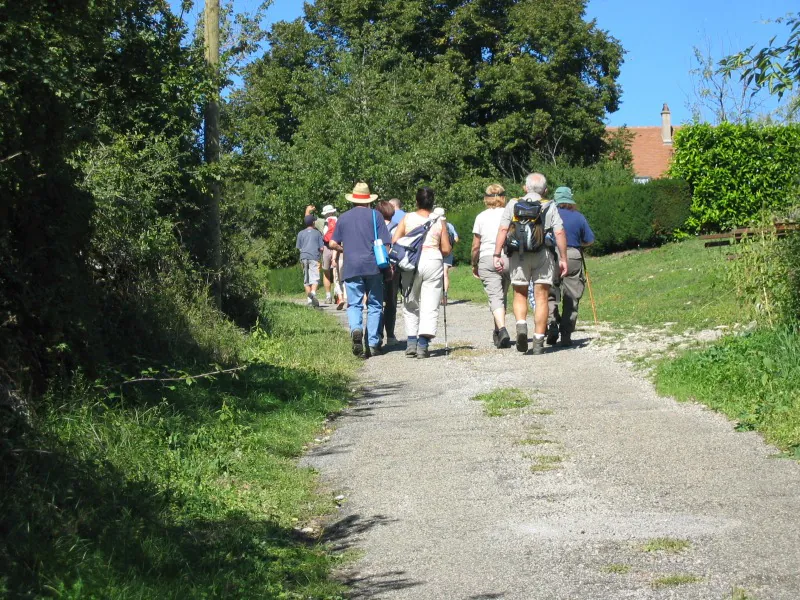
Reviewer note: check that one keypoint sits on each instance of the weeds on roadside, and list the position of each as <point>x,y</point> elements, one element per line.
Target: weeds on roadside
<point>673,580</point>
<point>501,402</point>
<point>666,544</point>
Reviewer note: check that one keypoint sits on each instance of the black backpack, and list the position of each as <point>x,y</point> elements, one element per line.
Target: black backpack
<point>526,233</point>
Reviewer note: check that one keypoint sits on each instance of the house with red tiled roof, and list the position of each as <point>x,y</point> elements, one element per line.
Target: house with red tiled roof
<point>651,147</point>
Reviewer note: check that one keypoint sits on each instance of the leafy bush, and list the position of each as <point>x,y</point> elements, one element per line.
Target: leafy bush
<point>766,275</point>
<point>736,171</point>
<point>635,215</point>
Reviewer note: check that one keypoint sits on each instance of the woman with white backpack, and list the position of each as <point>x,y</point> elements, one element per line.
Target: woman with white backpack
<point>422,288</point>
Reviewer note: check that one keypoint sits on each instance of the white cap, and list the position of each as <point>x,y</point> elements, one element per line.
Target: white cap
<point>438,211</point>
<point>328,210</point>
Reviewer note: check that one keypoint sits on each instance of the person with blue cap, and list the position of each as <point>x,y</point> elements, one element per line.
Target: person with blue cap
<point>566,295</point>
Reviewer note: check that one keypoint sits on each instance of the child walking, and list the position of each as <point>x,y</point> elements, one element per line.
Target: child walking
<point>310,244</point>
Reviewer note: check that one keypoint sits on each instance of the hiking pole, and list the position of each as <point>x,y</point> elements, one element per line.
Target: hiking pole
<point>446,347</point>
<point>589,285</point>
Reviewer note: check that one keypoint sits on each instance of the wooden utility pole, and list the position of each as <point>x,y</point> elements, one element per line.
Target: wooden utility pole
<point>211,134</point>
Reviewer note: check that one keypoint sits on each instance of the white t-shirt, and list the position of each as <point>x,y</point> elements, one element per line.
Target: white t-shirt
<point>486,225</point>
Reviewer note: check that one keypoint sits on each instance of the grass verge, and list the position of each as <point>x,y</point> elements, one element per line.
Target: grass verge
<point>191,492</point>
<point>754,379</point>
<point>666,544</point>
<point>677,579</point>
<point>501,402</point>
<point>681,283</point>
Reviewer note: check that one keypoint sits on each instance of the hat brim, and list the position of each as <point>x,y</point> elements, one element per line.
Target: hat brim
<point>329,213</point>
<point>570,201</point>
<point>372,198</point>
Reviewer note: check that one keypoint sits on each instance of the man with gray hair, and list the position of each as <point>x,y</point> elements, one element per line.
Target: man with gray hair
<point>532,260</point>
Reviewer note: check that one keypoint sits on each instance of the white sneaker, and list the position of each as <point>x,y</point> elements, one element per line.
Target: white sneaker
<point>328,299</point>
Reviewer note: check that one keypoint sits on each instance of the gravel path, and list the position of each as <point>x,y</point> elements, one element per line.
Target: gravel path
<point>445,502</point>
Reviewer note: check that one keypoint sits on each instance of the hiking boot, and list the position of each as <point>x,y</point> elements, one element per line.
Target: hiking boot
<point>496,338</point>
<point>522,337</point>
<point>314,301</point>
<point>566,341</point>
<point>374,351</point>
<point>538,345</point>
<point>358,341</point>
<point>423,352</point>
<point>504,340</point>
<point>391,340</point>
<point>552,333</point>
<point>411,349</point>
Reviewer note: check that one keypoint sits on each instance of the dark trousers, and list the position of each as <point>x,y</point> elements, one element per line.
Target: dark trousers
<point>568,294</point>
<point>390,288</point>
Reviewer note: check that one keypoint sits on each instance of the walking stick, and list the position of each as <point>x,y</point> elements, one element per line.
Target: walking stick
<point>446,347</point>
<point>589,285</point>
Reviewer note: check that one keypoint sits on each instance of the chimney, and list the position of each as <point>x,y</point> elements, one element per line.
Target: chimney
<point>666,125</point>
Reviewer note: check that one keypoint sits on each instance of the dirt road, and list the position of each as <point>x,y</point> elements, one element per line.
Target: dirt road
<point>570,497</point>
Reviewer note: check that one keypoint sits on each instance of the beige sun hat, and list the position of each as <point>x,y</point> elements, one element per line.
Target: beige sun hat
<point>361,194</point>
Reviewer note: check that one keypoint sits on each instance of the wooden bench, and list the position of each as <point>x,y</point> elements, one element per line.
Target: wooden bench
<point>737,235</point>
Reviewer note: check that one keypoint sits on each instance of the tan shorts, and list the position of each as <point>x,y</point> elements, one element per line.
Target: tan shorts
<point>538,267</point>
<point>327,255</point>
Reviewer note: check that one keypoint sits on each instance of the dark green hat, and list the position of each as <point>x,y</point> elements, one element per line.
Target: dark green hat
<point>563,195</point>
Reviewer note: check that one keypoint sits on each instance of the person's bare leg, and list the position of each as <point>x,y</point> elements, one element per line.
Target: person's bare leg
<point>541,292</point>
<point>327,276</point>
<point>520,302</point>
<point>499,317</point>
<point>521,314</point>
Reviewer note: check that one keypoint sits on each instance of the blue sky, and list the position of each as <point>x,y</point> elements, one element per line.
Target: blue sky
<point>658,36</point>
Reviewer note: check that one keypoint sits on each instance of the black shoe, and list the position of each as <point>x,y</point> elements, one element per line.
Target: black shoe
<point>552,333</point>
<point>566,341</point>
<point>374,351</point>
<point>358,341</point>
<point>496,338</point>
<point>522,337</point>
<point>504,340</point>
<point>538,345</point>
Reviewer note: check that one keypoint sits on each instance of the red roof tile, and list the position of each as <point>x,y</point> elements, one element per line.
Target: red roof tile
<point>651,156</point>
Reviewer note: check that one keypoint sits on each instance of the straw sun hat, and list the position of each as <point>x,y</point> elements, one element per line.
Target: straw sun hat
<point>361,194</point>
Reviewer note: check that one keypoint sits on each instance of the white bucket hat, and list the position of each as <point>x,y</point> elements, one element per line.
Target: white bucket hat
<point>361,194</point>
<point>438,211</point>
<point>328,210</point>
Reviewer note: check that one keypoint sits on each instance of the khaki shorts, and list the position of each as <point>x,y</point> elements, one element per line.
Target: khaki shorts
<point>536,267</point>
<point>310,272</point>
<point>327,258</point>
<point>495,284</point>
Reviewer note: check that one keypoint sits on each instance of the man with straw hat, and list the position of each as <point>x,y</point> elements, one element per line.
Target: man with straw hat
<point>571,287</point>
<point>355,234</point>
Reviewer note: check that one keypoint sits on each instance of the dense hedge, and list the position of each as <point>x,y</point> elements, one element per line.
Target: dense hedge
<point>622,217</point>
<point>735,171</point>
<point>634,215</point>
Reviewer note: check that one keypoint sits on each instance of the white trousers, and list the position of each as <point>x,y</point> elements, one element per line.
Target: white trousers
<point>421,308</point>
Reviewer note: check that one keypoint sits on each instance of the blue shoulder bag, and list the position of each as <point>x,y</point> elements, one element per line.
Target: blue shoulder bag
<point>381,255</point>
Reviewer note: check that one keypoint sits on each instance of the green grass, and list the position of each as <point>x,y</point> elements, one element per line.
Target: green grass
<point>666,544</point>
<point>501,402</point>
<point>678,579</point>
<point>285,282</point>
<point>192,492</point>
<point>617,568</point>
<point>682,283</point>
<point>547,462</point>
<point>754,379</point>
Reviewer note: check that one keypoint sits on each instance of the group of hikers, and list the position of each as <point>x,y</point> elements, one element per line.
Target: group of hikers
<point>533,244</point>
